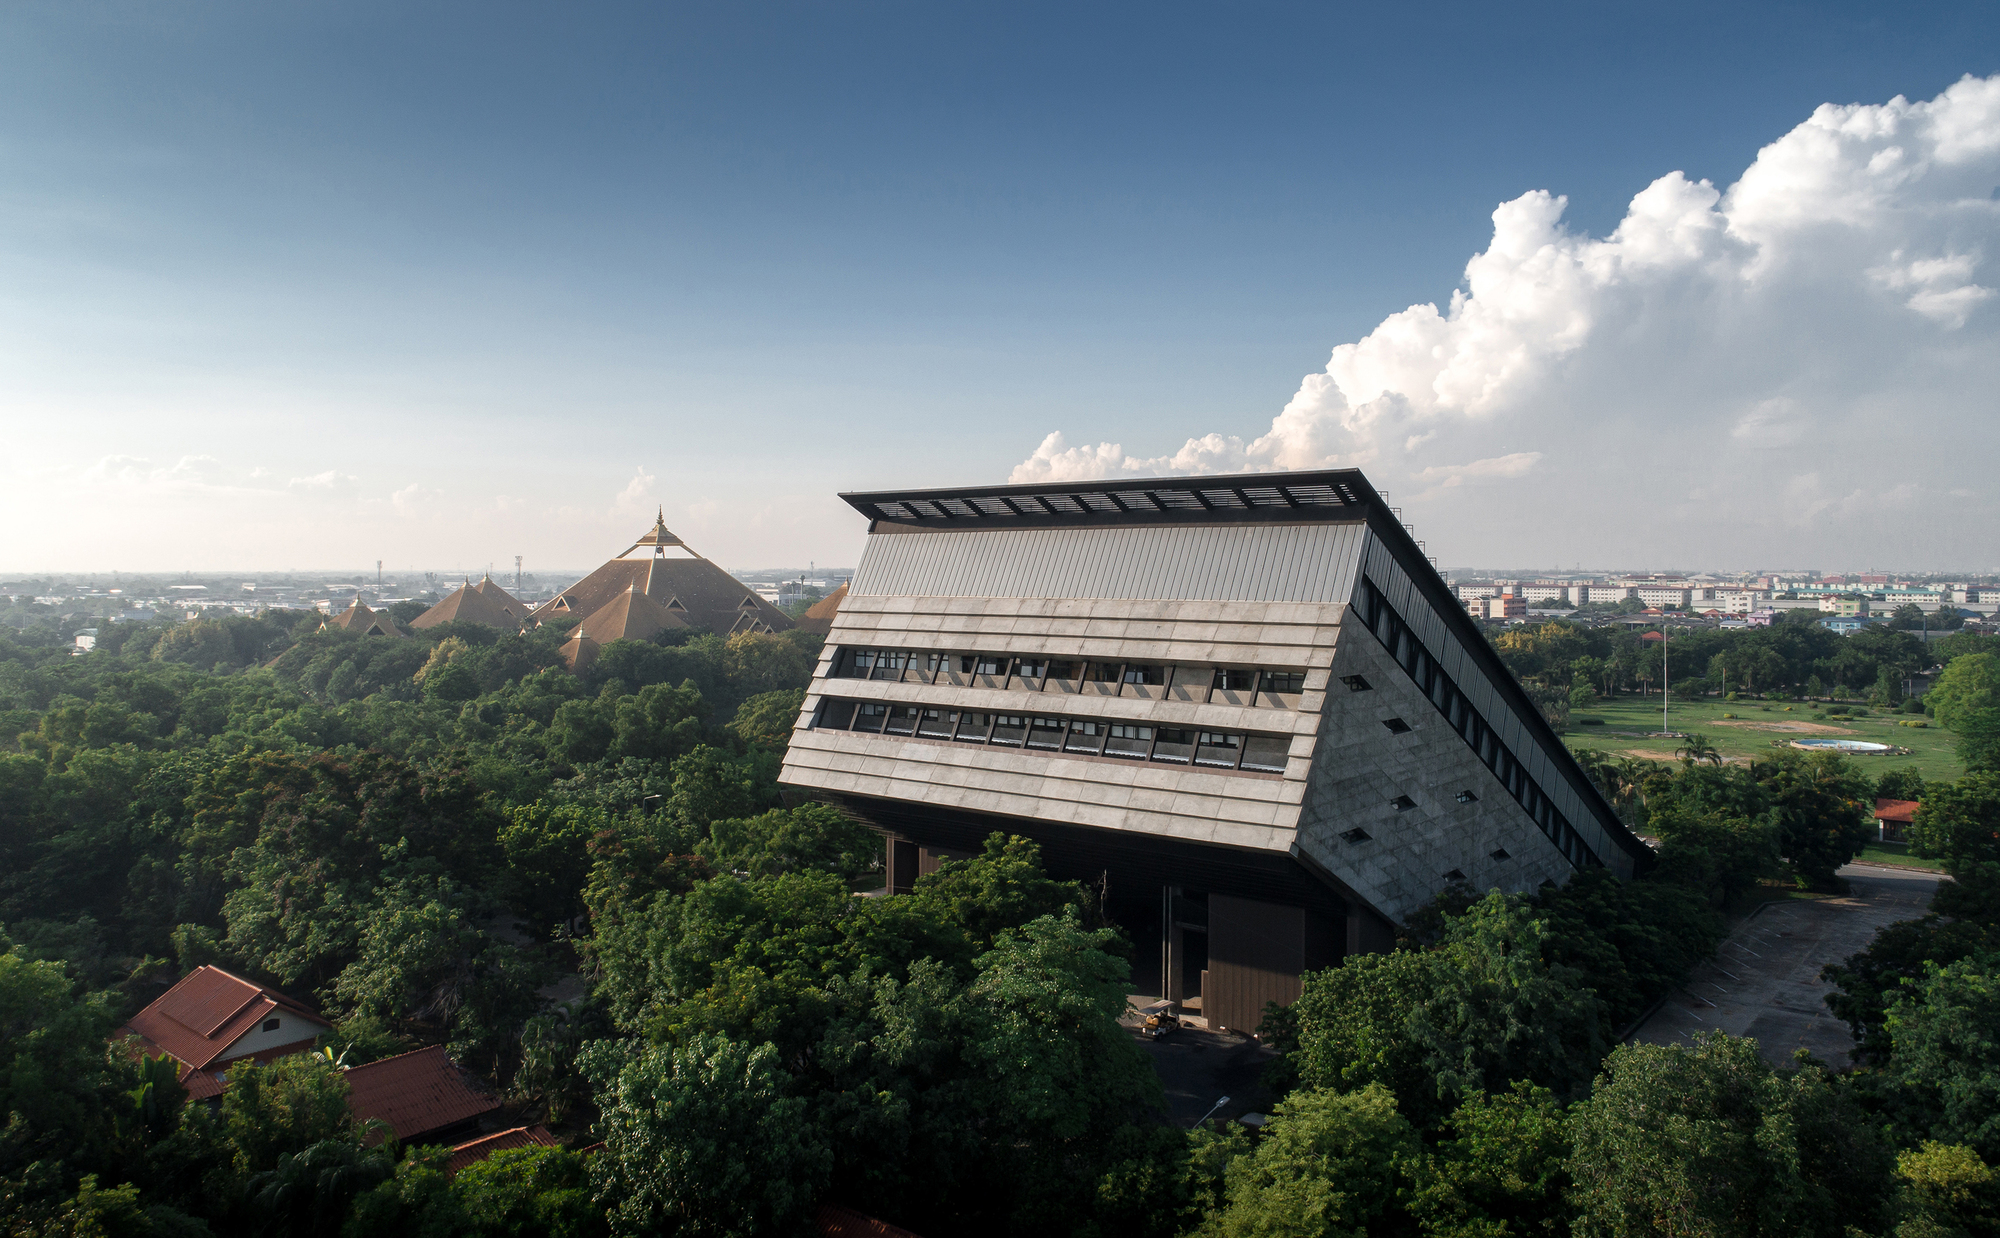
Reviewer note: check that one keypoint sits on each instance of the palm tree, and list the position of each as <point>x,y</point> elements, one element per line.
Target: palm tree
<point>1696,748</point>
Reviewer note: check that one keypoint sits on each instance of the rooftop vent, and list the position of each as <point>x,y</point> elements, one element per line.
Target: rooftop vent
<point>1357,835</point>
<point>1396,726</point>
<point>1454,875</point>
<point>1501,854</point>
<point>1402,803</point>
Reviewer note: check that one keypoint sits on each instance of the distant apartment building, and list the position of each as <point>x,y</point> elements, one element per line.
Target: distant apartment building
<point>1664,595</point>
<point>1506,606</point>
<point>1850,607</point>
<point>1740,601</point>
<point>1565,591</point>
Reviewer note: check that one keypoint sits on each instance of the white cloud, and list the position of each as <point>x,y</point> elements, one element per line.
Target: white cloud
<point>1826,316</point>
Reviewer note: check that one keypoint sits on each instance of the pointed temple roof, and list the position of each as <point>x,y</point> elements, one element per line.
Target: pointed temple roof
<point>636,597</point>
<point>484,602</point>
<point>819,616</point>
<point>358,618</point>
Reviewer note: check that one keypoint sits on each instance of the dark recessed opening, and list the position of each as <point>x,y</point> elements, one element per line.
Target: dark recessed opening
<point>1356,835</point>
<point>1356,683</point>
<point>1402,803</point>
<point>1396,726</point>
<point>1467,797</point>
<point>1454,875</point>
<point>1501,854</point>
<point>270,1025</point>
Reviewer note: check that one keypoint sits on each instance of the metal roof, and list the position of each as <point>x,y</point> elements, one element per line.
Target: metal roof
<point>1335,494</point>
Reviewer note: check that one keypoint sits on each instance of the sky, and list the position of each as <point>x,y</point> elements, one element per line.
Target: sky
<point>312,285</point>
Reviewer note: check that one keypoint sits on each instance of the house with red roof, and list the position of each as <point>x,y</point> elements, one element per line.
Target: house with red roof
<point>421,1095</point>
<point>1893,817</point>
<point>473,1151</point>
<point>211,1018</point>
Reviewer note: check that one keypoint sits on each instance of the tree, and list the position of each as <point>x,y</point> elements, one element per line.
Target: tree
<point>1328,1165</point>
<point>1945,1191</point>
<point>1722,854</point>
<point>811,836</point>
<point>1708,1139</point>
<point>55,1084</point>
<point>1697,748</point>
<point>702,1140</point>
<point>1903,783</point>
<point>1966,700</point>
<point>1823,810</point>
<point>547,846</point>
<point>1959,821</point>
<point>1500,1172</point>
<point>1944,1059</point>
<point>529,1193</point>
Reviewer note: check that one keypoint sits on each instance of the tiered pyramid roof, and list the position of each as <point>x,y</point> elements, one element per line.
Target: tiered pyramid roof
<point>485,602</point>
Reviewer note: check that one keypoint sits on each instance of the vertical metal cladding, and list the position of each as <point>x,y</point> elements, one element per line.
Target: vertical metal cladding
<point>1239,563</point>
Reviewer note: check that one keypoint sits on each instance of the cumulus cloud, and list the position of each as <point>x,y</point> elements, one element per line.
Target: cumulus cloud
<point>1806,342</point>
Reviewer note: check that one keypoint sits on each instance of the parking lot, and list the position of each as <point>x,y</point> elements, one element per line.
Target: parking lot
<point>1764,982</point>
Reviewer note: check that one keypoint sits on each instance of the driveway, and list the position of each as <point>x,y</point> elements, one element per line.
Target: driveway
<point>1764,982</point>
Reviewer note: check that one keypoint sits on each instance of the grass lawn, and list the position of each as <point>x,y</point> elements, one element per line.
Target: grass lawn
<point>1877,853</point>
<point>1630,720</point>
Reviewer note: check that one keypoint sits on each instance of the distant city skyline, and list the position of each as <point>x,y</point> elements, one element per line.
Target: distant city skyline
<point>369,281</point>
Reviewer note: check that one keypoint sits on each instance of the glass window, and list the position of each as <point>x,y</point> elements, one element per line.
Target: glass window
<point>1103,672</point>
<point>837,715</point>
<point>1233,679</point>
<point>1266,753</point>
<point>903,720</point>
<point>1128,741</point>
<point>937,723</point>
<point>1085,737</point>
<point>1031,668</point>
<point>1009,729</point>
<point>972,728</point>
<point>1174,747</point>
<point>889,663</point>
<point>869,717</point>
<point>989,664</point>
<point>1285,681</point>
<point>1217,748</point>
<point>1045,733</point>
<point>1064,670</point>
<point>965,661</point>
<point>860,662</point>
<point>1149,676</point>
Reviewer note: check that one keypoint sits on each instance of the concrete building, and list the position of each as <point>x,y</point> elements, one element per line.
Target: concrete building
<point>1245,708</point>
<point>1506,606</point>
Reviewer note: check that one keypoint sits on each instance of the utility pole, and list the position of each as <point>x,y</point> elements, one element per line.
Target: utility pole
<point>1665,640</point>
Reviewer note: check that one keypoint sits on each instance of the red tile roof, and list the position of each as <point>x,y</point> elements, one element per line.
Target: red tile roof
<point>472,1150</point>
<point>834,1221</point>
<point>416,1093</point>
<point>1896,810</point>
<point>209,1010</point>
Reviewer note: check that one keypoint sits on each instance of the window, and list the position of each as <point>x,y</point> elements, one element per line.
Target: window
<point>1031,668</point>
<point>863,661</point>
<point>937,723</point>
<point>1290,683</point>
<point>965,661</point>
<point>1356,835</point>
<point>1085,737</point>
<point>1064,670</point>
<point>1045,733</point>
<point>270,1025</point>
<point>1175,747</point>
<point>1501,854</point>
<point>989,664</point>
<point>1454,875</point>
<point>927,663</point>
<point>1104,672</point>
<point>973,728</point>
<point>1231,679</point>
<point>1146,676</point>
<point>870,716</point>
<point>837,715</point>
<point>1128,741</point>
<point>1467,797</point>
<point>1009,729</point>
<point>1356,683</point>
<point>889,663</point>
<point>1266,753</point>
<point>1396,726</point>
<point>1402,803</point>
<point>1218,748</point>
<point>903,720</point>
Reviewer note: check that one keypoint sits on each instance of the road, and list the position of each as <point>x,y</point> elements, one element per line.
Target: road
<point>1764,982</point>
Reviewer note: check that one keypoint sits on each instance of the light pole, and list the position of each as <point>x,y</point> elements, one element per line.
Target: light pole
<point>1211,1113</point>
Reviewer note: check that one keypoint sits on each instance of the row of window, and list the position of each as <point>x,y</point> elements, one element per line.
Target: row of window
<point>1216,750</point>
<point>1153,681</point>
<point>1431,679</point>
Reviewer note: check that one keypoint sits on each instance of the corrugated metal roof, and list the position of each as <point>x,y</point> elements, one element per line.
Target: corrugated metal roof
<point>1205,563</point>
<point>416,1093</point>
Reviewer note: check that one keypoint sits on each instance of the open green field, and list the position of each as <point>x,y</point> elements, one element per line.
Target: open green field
<point>1629,722</point>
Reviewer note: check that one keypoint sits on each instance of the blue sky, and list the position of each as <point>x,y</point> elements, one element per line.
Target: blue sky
<point>440,284</point>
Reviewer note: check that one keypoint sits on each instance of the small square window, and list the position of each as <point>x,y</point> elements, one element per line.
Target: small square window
<point>1402,803</point>
<point>1454,875</point>
<point>1288,682</point>
<point>1467,797</point>
<point>1396,726</point>
<point>1230,679</point>
<point>1356,835</point>
<point>1356,683</point>
<point>1501,854</point>
<point>270,1025</point>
